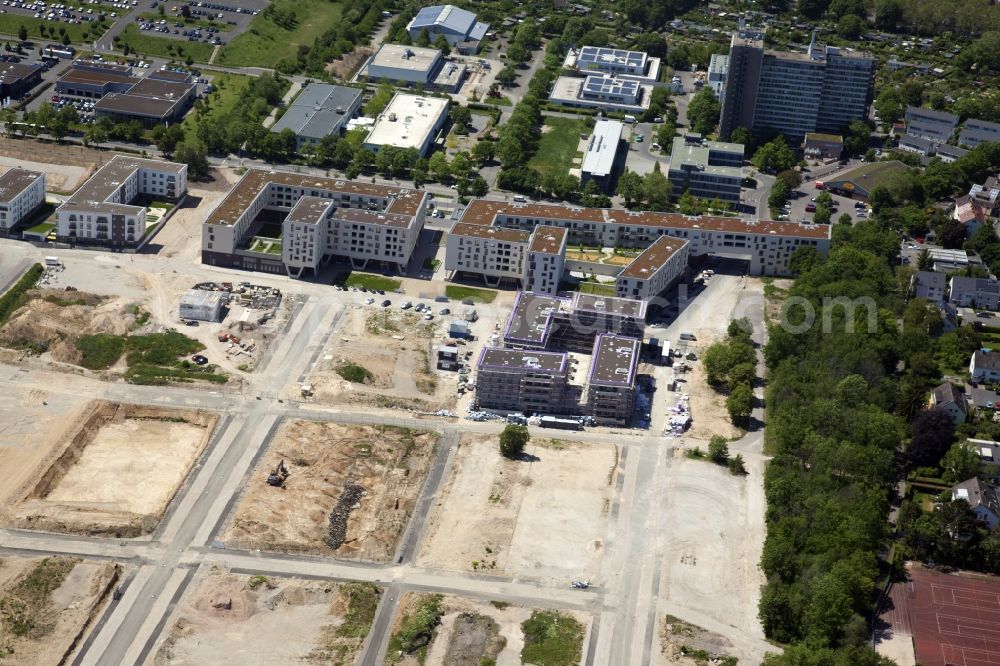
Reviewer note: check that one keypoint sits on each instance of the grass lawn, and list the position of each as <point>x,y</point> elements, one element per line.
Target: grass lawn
<point>369,281</point>
<point>552,638</point>
<point>144,44</point>
<point>557,146</point>
<point>596,288</point>
<point>79,34</point>
<point>42,229</point>
<point>460,293</point>
<point>266,245</point>
<point>265,44</point>
<point>222,102</point>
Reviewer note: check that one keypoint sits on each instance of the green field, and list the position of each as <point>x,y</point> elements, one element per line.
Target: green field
<point>369,281</point>
<point>223,101</point>
<point>144,44</point>
<point>558,146</point>
<point>461,293</point>
<point>11,23</point>
<point>265,44</point>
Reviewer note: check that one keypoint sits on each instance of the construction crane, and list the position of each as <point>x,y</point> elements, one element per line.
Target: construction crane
<point>278,476</point>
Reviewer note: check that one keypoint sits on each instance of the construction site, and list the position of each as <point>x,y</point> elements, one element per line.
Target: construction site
<point>247,619</point>
<point>545,516</point>
<point>397,351</point>
<point>115,473</point>
<point>49,604</point>
<point>458,631</point>
<point>332,489</point>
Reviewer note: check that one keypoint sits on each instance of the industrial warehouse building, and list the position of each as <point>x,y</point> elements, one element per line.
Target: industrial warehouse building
<point>319,111</point>
<point>201,305</point>
<point>17,78</point>
<point>458,26</point>
<point>103,210</point>
<point>22,192</point>
<point>410,121</point>
<point>414,66</point>
<point>706,169</point>
<point>603,150</point>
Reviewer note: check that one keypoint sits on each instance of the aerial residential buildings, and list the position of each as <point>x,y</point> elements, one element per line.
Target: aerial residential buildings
<point>706,169</point>
<point>979,293</point>
<point>654,269</point>
<point>545,258</point>
<point>615,62</point>
<point>933,126</point>
<point>320,218</point>
<point>611,381</point>
<point>414,66</point>
<point>603,150</point>
<point>930,285</point>
<point>320,110</point>
<point>22,192</point>
<point>523,381</point>
<point>984,366</point>
<point>983,499</point>
<point>975,132</point>
<point>410,121</point>
<point>987,195</point>
<point>458,26</point>
<point>823,146</point>
<point>970,213</point>
<point>601,92</point>
<point>822,90</point>
<point>951,399</point>
<point>108,208</point>
<point>490,238</point>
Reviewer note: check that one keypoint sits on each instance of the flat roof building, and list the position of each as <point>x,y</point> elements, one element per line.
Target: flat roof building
<point>414,66</point>
<point>410,121</point>
<point>18,78</point>
<point>601,92</point>
<point>859,181</point>
<point>611,382</point>
<point>201,305</point>
<point>103,211</point>
<point>150,101</point>
<point>601,159</point>
<point>823,146</point>
<point>22,192</point>
<point>654,270</point>
<point>458,26</point>
<point>319,111</point>
<point>706,169</point>
<point>523,380</point>
<point>617,62</point>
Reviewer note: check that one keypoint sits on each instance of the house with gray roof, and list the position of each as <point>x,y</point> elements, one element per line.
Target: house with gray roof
<point>319,111</point>
<point>982,498</point>
<point>970,292</point>
<point>930,285</point>
<point>951,399</point>
<point>976,132</point>
<point>458,26</point>
<point>984,366</point>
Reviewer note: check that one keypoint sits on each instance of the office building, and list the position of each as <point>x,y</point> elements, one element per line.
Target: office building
<point>930,125</point>
<point>654,270</point>
<point>414,66</point>
<point>975,132</point>
<point>821,90</point>
<point>601,92</point>
<point>321,110</point>
<point>615,62</point>
<point>603,150</point>
<point>320,219</point>
<point>706,169</point>
<point>458,26</point>
<point>490,239</point>
<point>22,192</point>
<point>16,79</point>
<point>410,121</point>
<point>108,208</point>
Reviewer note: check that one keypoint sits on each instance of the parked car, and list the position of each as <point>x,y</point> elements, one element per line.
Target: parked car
<point>405,305</point>
<point>199,359</point>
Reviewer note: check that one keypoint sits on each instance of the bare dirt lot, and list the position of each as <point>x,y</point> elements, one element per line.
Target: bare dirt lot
<point>713,570</point>
<point>470,632</point>
<point>181,237</point>
<point>49,604</point>
<point>350,490</point>
<point>395,348</point>
<point>546,518</point>
<point>66,166</point>
<point>116,473</point>
<point>242,619</point>
<point>684,644</point>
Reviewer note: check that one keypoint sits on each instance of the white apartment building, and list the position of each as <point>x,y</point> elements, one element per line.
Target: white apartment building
<point>21,193</point>
<point>103,210</point>
<point>546,257</point>
<point>490,238</point>
<point>323,218</point>
<point>654,270</point>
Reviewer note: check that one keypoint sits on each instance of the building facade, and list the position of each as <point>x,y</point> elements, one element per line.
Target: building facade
<point>706,169</point>
<point>654,270</point>
<point>601,159</point>
<point>22,192</point>
<point>104,211</point>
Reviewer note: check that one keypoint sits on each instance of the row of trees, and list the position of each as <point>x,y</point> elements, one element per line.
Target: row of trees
<point>357,23</point>
<point>731,367</point>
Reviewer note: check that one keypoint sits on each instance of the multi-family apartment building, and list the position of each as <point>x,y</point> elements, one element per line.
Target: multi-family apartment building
<point>107,209</point>
<point>975,132</point>
<point>321,218</point>
<point>21,193</point>
<point>706,169</point>
<point>491,237</point>
<point>611,380</point>
<point>654,270</point>
<point>973,292</point>
<point>543,322</point>
<point>524,381</point>
<point>930,125</point>
<point>545,259</point>
<point>821,90</point>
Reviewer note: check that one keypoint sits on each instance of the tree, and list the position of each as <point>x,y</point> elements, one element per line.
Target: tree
<point>737,466</point>
<point>924,261</point>
<point>22,34</point>
<point>952,234</point>
<point>822,215</point>
<point>166,137</point>
<point>513,439</point>
<point>739,404</point>
<point>517,53</point>
<point>703,111</point>
<point>845,218</point>
<point>687,204</point>
<point>193,153</point>
<point>932,433</point>
<point>484,152</point>
<point>461,116</point>
<point>630,187</point>
<point>441,44</point>
<point>887,14</point>
<point>791,178</point>
<point>423,38</point>
<point>774,156</point>
<point>850,26</point>
<point>438,167</point>
<point>960,463</point>
<point>656,189</point>
<point>718,449</point>
<point>741,135</point>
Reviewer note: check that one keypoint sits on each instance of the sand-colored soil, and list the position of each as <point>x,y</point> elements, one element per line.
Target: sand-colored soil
<point>279,621</point>
<point>117,473</point>
<point>679,639</point>
<point>61,620</point>
<point>324,459</point>
<point>543,518</point>
<point>66,166</point>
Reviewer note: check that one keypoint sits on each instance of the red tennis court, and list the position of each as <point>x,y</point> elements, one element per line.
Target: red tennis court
<point>954,620</point>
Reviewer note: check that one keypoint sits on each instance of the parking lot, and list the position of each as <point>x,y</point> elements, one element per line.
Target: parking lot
<point>209,22</point>
<point>801,208</point>
<point>71,12</point>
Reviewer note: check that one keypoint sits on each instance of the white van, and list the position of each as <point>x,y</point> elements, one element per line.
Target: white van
<point>630,120</point>
<point>519,197</point>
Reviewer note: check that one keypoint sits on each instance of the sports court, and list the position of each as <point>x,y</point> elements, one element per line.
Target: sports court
<point>954,620</point>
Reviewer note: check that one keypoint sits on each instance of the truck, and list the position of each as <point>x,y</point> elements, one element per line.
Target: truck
<point>562,424</point>
<point>52,261</point>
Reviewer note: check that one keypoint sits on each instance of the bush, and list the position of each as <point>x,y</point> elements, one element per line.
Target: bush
<point>551,639</point>
<point>513,440</point>
<point>417,630</point>
<point>100,351</point>
<point>355,373</point>
<point>736,465</point>
<point>718,450</point>
<point>14,298</point>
